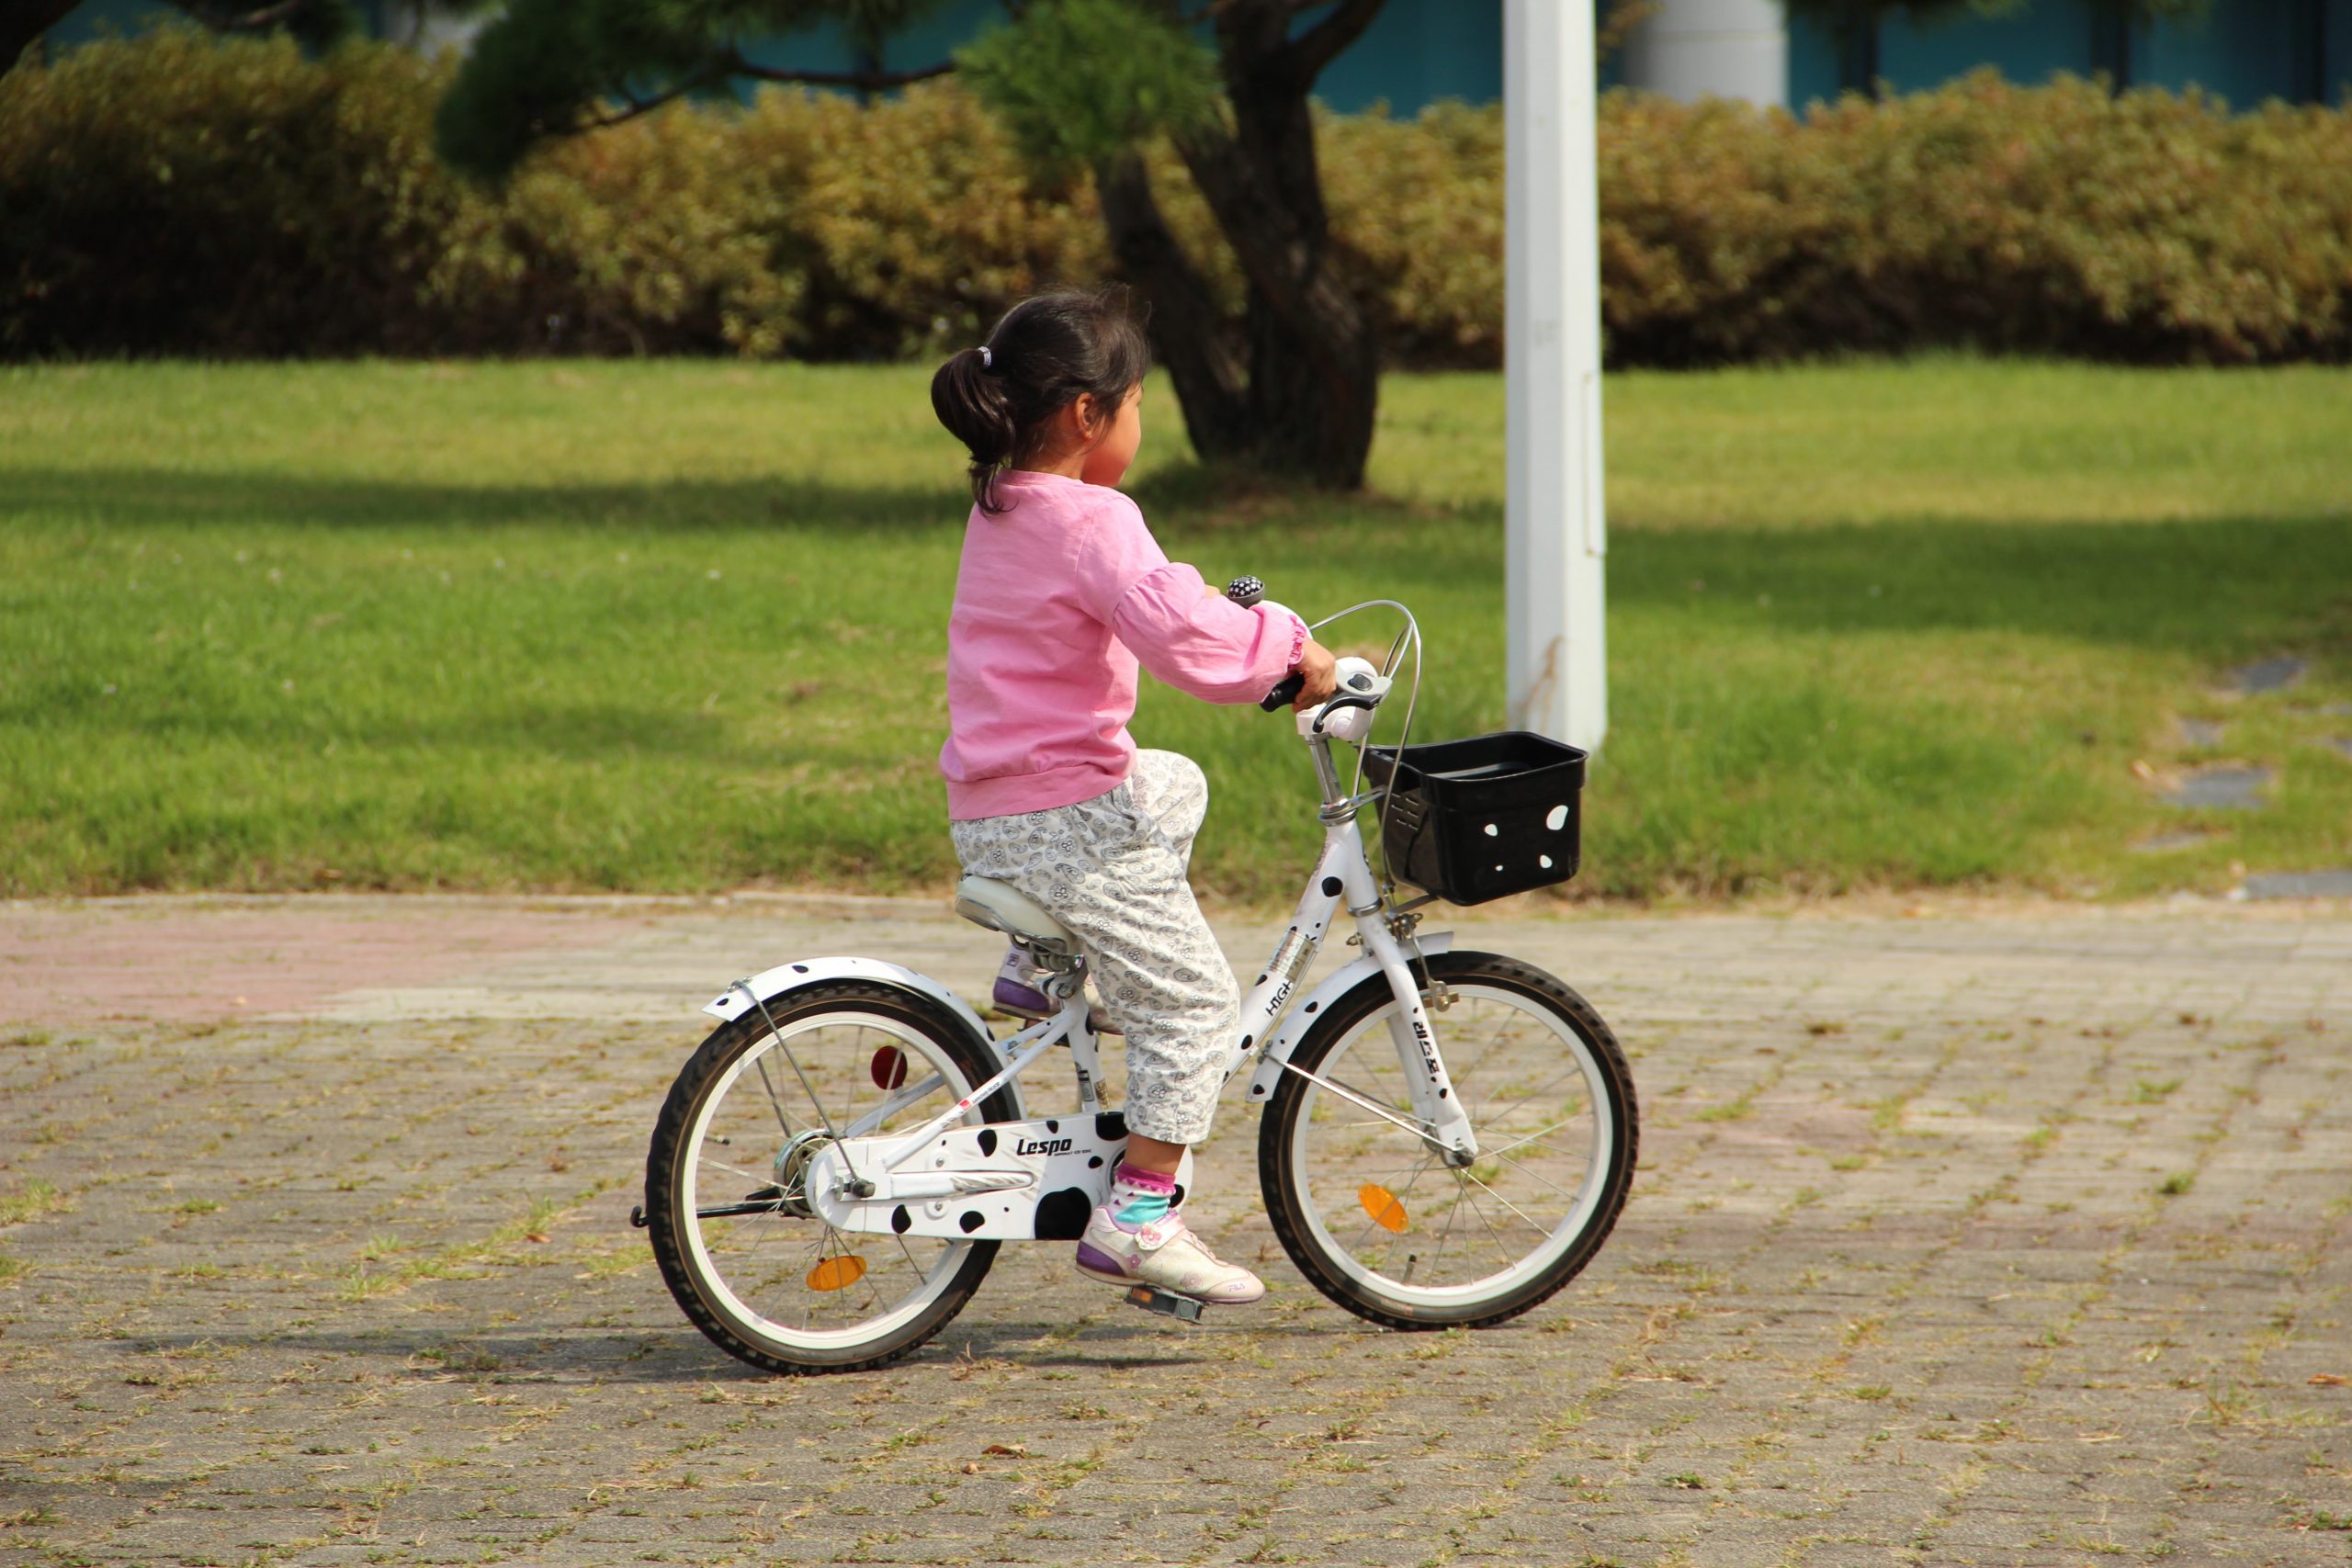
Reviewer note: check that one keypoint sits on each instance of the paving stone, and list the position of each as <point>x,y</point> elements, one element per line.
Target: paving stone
<point>2232,788</point>
<point>2266,675</point>
<point>2300,885</point>
<point>1924,1300</point>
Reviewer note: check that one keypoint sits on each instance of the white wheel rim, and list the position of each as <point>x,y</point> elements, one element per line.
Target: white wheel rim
<point>920,1047</point>
<point>1590,1194</point>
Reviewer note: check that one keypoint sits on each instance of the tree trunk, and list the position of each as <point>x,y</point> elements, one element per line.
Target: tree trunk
<point>1311,351</point>
<point>1205,355</point>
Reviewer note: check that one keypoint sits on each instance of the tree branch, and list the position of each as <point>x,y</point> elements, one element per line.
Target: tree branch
<point>736,66</point>
<point>265,16</point>
<point>637,106</point>
<point>866,81</point>
<point>1320,44</point>
<point>220,20</point>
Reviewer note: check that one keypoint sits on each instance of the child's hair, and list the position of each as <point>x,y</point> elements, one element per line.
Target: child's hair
<point>1041,356</point>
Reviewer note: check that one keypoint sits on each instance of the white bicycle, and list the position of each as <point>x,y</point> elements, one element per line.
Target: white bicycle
<point>1448,1137</point>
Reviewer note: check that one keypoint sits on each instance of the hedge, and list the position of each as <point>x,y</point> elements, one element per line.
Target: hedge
<point>176,194</point>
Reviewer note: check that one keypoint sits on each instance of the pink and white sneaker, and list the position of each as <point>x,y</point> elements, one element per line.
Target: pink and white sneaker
<point>1165,1253</point>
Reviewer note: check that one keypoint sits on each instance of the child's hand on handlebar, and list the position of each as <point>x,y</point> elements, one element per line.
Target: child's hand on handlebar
<point>1317,672</point>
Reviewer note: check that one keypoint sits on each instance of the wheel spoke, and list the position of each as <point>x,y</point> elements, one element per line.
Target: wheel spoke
<point>1572,1073</point>
<point>1537,1176</point>
<point>782,1120</point>
<point>1472,1071</point>
<point>1540,1230</point>
<point>1493,1154</point>
<point>1509,1261</point>
<point>1446,1235</point>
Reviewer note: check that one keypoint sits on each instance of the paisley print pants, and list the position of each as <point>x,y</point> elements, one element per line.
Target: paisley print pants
<point>1113,870</point>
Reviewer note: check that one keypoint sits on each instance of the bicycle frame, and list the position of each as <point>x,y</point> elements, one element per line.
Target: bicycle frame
<point>1343,877</point>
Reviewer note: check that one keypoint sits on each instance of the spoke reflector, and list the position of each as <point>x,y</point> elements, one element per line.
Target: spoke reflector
<point>835,1272</point>
<point>1382,1205</point>
<point>889,1068</point>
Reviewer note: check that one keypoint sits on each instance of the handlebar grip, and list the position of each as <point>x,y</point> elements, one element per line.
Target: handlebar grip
<point>1283,694</point>
<point>1248,592</point>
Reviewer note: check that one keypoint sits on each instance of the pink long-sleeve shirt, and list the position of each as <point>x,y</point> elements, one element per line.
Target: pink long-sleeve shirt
<point>1057,602</point>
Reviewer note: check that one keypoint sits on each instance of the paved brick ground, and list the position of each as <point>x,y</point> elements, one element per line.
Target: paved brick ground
<point>1999,1237</point>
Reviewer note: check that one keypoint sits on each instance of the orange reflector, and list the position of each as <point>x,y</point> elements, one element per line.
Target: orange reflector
<point>1382,1205</point>
<point>889,1068</point>
<point>833,1273</point>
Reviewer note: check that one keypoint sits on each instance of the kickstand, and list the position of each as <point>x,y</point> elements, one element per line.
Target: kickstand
<point>1152,1299</point>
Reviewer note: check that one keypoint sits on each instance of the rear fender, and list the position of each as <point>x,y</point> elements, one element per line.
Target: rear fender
<point>801,973</point>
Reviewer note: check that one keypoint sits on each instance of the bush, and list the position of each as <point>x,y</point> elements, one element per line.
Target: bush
<point>2060,219</point>
<point>176,194</point>
<point>169,196</point>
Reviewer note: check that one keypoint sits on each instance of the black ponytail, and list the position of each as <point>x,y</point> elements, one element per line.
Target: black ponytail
<point>1042,356</point>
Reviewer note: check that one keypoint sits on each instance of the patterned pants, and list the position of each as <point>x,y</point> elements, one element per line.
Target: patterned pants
<point>1113,870</point>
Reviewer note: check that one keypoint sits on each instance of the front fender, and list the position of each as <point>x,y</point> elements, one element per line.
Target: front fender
<point>801,973</point>
<point>1307,1014</point>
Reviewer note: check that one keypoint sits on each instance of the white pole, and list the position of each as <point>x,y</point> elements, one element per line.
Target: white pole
<point>1689,50</point>
<point>1556,533</point>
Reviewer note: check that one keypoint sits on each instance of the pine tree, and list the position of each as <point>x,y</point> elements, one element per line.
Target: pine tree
<point>1288,385</point>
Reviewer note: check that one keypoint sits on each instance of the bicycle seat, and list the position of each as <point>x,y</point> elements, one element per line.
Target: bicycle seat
<point>1002,907</point>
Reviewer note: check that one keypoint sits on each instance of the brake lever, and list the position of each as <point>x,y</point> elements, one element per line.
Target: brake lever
<point>1336,703</point>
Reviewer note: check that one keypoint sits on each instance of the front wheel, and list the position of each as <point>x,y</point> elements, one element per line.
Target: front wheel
<point>1370,1211</point>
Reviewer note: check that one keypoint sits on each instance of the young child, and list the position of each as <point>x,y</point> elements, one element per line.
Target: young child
<point>1062,591</point>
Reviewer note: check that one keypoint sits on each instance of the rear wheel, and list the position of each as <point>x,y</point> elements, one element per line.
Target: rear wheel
<point>1369,1210</point>
<point>742,1252</point>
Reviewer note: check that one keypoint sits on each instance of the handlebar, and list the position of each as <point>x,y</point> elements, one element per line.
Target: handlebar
<point>1247,592</point>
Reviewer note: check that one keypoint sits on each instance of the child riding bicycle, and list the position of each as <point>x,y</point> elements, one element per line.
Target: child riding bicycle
<point>1061,594</point>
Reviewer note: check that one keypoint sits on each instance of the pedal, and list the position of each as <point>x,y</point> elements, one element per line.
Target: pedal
<point>1151,1297</point>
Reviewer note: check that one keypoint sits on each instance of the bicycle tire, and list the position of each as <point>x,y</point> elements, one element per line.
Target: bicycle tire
<point>704,1301</point>
<point>1281,1147</point>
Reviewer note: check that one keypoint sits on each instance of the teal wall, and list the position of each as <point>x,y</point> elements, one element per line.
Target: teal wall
<point>1415,52</point>
<point>1421,51</point>
<point>98,18</point>
<point>2243,51</point>
<point>1418,52</point>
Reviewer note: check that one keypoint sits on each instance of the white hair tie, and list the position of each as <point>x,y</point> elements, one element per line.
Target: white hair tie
<point>987,360</point>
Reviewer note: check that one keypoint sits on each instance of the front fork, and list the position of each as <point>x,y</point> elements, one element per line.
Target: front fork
<point>1431,1088</point>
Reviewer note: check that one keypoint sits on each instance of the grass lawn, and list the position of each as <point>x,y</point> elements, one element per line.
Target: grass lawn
<point>680,626</point>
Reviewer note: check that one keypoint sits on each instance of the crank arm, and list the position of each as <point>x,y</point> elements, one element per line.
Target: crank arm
<point>924,1186</point>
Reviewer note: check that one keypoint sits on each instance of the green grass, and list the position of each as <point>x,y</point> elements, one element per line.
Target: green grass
<point>680,626</point>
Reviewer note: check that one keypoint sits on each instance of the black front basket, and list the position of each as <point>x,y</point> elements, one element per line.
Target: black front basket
<point>1471,820</point>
